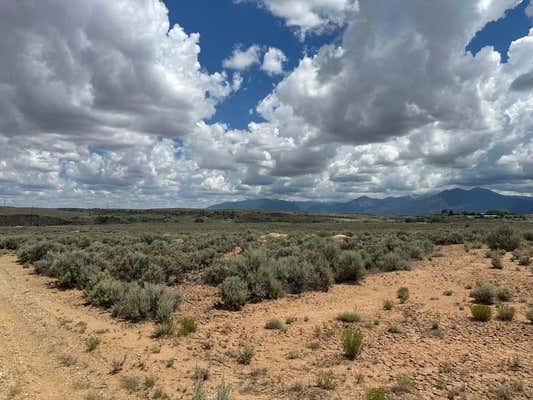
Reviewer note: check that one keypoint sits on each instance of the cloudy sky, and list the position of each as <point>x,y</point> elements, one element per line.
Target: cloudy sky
<point>152,103</point>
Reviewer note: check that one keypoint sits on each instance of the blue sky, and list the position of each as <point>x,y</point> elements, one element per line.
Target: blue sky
<point>101,104</point>
<point>223,24</point>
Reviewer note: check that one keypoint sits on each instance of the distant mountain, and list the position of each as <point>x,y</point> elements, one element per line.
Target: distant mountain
<point>458,200</point>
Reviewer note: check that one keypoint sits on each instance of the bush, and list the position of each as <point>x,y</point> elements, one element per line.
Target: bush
<point>481,312</point>
<point>326,380</point>
<point>403,294</point>
<point>31,252</point>
<point>504,238</point>
<point>496,260</point>
<point>233,293</point>
<point>352,342</point>
<point>274,324</point>
<point>529,314</point>
<point>505,313</point>
<point>186,326</point>
<point>105,293</point>
<point>349,317</point>
<point>165,328</point>
<point>503,294</point>
<point>349,268</point>
<point>245,355</point>
<point>92,342</point>
<point>376,394</point>
<point>393,262</point>
<point>484,293</point>
<point>387,305</point>
<point>524,260</point>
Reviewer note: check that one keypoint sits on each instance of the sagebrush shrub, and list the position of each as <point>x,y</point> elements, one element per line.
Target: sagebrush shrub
<point>387,305</point>
<point>352,342</point>
<point>496,260</point>
<point>481,312</point>
<point>274,324</point>
<point>349,317</point>
<point>504,238</point>
<point>503,294</point>
<point>376,394</point>
<point>505,312</point>
<point>326,380</point>
<point>245,355</point>
<point>403,294</point>
<point>105,293</point>
<point>484,293</point>
<point>186,326</point>
<point>349,267</point>
<point>233,293</point>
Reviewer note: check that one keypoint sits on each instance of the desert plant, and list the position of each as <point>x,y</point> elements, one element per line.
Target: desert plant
<point>404,384</point>
<point>165,328</point>
<point>505,313</point>
<point>131,383</point>
<point>245,355</point>
<point>387,305</point>
<point>496,260</point>
<point>233,293</point>
<point>504,238</point>
<point>352,342</point>
<point>376,394</point>
<point>349,267</point>
<point>223,392</point>
<point>484,293</point>
<point>481,312</point>
<point>186,326</point>
<point>274,324</point>
<point>326,380</point>
<point>503,294</point>
<point>92,342</point>
<point>403,294</point>
<point>349,317</point>
<point>529,314</point>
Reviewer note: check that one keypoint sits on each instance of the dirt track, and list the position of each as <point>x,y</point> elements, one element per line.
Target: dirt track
<point>40,326</point>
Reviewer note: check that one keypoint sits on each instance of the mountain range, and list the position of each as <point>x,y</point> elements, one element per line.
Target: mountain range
<point>458,200</point>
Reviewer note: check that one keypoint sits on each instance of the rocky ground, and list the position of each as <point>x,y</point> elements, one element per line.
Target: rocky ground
<point>427,348</point>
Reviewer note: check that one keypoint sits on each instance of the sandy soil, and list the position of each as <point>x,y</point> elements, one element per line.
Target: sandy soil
<point>43,334</point>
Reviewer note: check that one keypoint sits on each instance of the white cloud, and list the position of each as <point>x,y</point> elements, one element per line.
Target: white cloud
<point>110,104</point>
<point>241,60</point>
<point>273,61</point>
<point>310,15</point>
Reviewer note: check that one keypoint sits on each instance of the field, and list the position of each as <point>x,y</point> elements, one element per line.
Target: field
<point>184,304</point>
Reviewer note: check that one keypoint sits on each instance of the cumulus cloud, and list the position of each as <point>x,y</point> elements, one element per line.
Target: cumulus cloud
<point>241,60</point>
<point>106,101</point>
<point>310,15</point>
<point>273,61</point>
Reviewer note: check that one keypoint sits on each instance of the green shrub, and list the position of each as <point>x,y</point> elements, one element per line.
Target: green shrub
<point>503,294</point>
<point>274,324</point>
<point>376,394</point>
<point>92,342</point>
<point>481,312</point>
<point>349,267</point>
<point>131,383</point>
<point>529,314</point>
<point>524,260</point>
<point>403,294</point>
<point>186,326</point>
<point>393,262</point>
<point>504,238</point>
<point>349,317</point>
<point>387,305</point>
<point>484,293</point>
<point>326,380</point>
<point>496,260</point>
<point>404,384</point>
<point>105,293</point>
<point>223,392</point>
<point>352,342</point>
<point>233,293</point>
<point>245,355</point>
<point>30,252</point>
<point>505,313</point>
<point>165,328</point>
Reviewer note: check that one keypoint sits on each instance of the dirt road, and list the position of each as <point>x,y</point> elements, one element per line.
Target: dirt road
<point>44,332</point>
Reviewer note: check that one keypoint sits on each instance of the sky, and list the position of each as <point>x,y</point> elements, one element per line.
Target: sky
<point>186,103</point>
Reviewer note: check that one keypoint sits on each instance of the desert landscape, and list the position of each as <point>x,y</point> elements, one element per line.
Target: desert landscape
<point>345,308</point>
